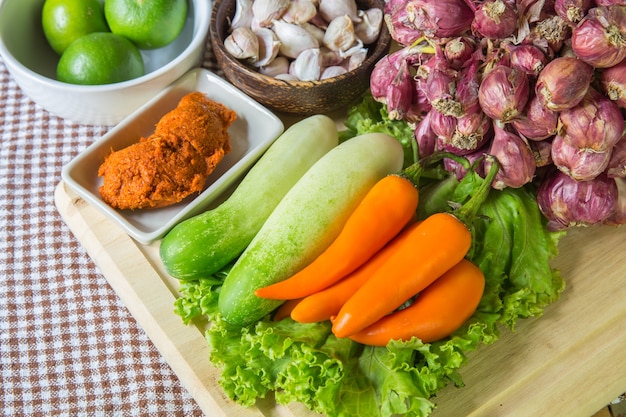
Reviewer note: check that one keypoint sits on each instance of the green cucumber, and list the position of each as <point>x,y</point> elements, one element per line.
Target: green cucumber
<point>306,221</point>
<point>204,244</point>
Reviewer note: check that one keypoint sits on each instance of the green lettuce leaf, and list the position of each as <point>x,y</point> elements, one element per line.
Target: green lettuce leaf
<point>369,116</point>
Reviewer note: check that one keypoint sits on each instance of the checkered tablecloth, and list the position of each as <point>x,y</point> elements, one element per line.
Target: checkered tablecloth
<point>68,346</point>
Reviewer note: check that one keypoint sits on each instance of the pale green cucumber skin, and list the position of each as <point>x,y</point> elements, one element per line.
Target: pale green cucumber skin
<point>306,221</point>
<point>205,243</point>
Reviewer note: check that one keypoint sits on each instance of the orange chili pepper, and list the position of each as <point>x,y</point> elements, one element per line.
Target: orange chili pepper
<point>285,309</point>
<point>438,311</point>
<point>380,216</point>
<point>430,249</point>
<point>326,303</point>
<point>439,242</point>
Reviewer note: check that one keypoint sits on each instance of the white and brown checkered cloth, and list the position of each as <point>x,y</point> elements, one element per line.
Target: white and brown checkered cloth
<point>68,346</point>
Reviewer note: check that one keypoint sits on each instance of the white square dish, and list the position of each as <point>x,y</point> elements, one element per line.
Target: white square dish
<point>254,130</point>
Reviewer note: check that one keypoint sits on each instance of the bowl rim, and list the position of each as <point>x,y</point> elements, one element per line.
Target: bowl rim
<point>201,15</point>
<point>382,43</point>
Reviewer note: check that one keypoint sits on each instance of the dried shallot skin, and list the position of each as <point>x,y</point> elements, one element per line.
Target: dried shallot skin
<point>566,202</point>
<point>600,38</point>
<point>572,11</point>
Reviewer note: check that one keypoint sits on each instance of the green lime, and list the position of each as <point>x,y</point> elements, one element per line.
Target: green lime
<point>149,24</point>
<point>64,21</point>
<point>100,58</point>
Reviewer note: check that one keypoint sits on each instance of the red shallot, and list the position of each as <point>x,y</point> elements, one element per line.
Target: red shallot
<point>566,202</point>
<point>495,19</point>
<point>504,92</point>
<point>600,38</point>
<point>517,162</point>
<point>537,122</point>
<point>613,83</point>
<point>441,18</point>
<point>617,163</point>
<point>563,83</point>
<point>582,164</point>
<point>596,123</point>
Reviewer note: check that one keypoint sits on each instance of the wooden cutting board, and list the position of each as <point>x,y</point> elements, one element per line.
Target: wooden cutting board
<point>569,362</point>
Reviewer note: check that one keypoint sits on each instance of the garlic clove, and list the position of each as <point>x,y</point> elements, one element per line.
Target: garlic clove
<point>340,34</point>
<point>332,71</point>
<point>332,9</point>
<point>280,65</point>
<point>269,46</point>
<point>368,29</point>
<point>300,11</point>
<point>293,38</point>
<point>286,77</point>
<point>316,31</point>
<point>242,43</point>
<point>243,14</point>
<point>266,11</point>
<point>330,58</point>
<point>306,67</point>
<point>355,57</point>
<point>319,21</point>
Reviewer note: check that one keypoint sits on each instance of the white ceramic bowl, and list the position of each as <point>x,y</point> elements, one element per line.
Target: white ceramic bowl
<point>251,134</point>
<point>32,64</point>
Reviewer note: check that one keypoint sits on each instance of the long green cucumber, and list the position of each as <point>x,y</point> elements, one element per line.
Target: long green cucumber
<point>204,244</point>
<point>306,221</point>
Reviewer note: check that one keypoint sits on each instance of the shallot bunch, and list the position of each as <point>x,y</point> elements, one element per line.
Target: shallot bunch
<point>302,40</point>
<point>539,84</point>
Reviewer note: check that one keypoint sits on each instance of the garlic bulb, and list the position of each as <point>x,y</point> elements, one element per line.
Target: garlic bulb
<point>304,40</point>
<point>300,11</point>
<point>340,34</point>
<point>332,71</point>
<point>280,65</point>
<point>243,14</point>
<point>332,9</point>
<point>306,67</point>
<point>293,38</point>
<point>266,11</point>
<point>242,44</point>
<point>269,45</point>
<point>368,29</point>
